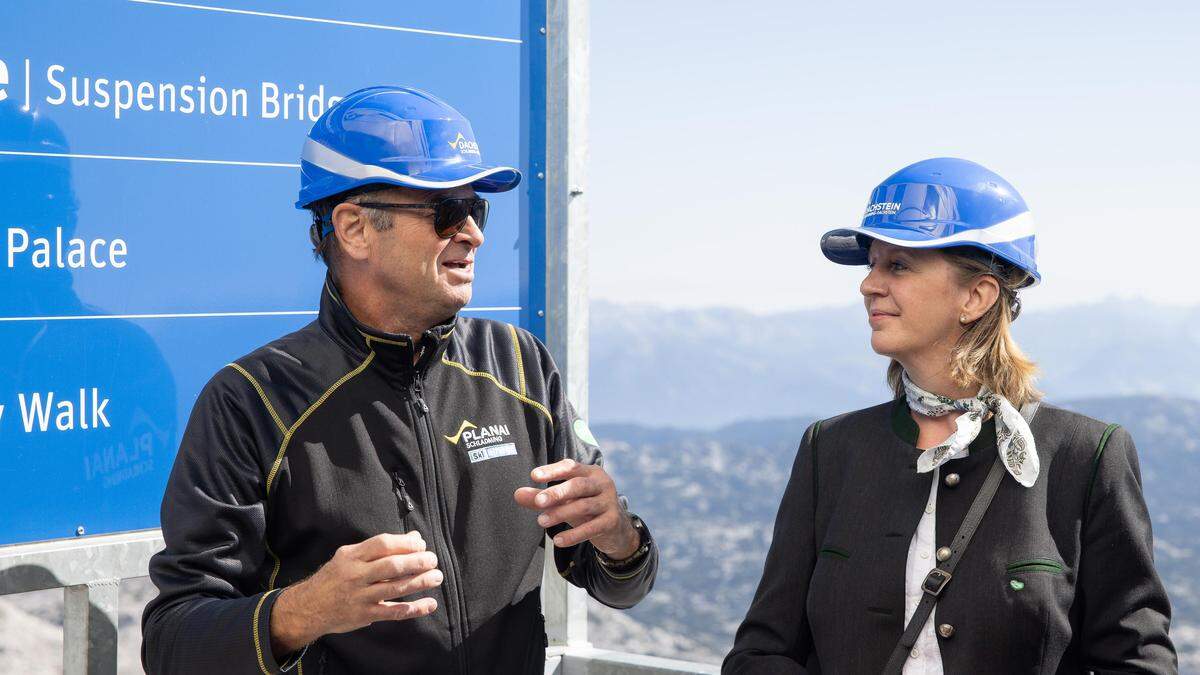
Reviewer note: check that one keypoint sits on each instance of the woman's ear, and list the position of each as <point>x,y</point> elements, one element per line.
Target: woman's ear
<point>983,293</point>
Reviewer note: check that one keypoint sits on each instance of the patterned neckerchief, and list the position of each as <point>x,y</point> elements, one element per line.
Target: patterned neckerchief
<point>1014,440</point>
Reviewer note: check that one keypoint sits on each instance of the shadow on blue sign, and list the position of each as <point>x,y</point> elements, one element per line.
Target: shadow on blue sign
<point>87,407</point>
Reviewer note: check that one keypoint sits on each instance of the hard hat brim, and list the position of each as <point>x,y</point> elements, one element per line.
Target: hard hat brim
<point>849,245</point>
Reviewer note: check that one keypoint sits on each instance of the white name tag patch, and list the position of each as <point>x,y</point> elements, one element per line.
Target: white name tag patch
<point>492,452</point>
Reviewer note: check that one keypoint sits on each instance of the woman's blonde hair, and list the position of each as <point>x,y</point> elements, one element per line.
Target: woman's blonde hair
<point>986,352</point>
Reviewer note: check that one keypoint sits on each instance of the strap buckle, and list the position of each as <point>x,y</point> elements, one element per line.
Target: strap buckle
<point>935,582</point>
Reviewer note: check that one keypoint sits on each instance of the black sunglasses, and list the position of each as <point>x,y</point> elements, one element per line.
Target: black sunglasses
<point>449,213</point>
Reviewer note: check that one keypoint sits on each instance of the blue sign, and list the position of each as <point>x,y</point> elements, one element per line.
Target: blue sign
<point>148,164</point>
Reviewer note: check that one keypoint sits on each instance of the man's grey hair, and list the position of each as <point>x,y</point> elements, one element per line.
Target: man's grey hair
<point>327,248</point>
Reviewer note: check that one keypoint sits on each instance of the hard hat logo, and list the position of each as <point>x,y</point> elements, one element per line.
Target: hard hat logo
<point>465,146</point>
<point>882,208</point>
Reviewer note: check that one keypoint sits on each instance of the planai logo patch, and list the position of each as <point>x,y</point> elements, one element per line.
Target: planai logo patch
<point>461,428</point>
<point>483,442</point>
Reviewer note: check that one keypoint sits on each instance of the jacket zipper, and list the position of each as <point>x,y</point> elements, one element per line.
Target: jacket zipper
<point>403,502</point>
<point>441,521</point>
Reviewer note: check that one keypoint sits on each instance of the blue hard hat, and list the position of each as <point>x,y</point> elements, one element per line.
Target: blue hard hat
<point>939,203</point>
<point>395,136</point>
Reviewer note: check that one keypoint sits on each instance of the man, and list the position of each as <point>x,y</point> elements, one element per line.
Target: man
<point>356,496</point>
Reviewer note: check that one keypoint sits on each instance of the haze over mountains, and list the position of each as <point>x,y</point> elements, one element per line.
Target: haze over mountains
<point>708,368</point>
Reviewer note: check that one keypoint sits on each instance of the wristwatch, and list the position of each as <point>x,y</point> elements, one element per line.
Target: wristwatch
<point>620,567</point>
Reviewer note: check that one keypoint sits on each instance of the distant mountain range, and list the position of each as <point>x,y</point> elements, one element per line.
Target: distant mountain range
<point>711,497</point>
<point>706,368</point>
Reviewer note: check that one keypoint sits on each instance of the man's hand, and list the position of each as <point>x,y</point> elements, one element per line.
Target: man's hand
<point>586,499</point>
<point>356,588</point>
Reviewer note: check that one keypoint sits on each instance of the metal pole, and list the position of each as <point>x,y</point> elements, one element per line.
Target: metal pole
<point>565,606</point>
<point>90,628</point>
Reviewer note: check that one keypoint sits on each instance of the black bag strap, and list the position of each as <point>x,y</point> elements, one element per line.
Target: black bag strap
<point>937,579</point>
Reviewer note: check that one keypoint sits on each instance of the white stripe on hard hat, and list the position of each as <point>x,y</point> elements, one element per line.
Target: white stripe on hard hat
<point>1017,227</point>
<point>335,162</point>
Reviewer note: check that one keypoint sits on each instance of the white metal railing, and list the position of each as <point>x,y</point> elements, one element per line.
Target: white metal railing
<point>90,570</point>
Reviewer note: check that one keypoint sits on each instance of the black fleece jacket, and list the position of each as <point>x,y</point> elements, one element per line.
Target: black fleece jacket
<point>331,435</point>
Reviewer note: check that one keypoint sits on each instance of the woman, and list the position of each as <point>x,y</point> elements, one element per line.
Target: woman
<point>873,530</point>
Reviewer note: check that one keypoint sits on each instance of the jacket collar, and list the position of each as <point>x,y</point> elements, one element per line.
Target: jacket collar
<point>905,427</point>
<point>394,351</point>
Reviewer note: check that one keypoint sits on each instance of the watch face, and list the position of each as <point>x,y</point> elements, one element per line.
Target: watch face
<point>639,526</point>
<point>643,543</point>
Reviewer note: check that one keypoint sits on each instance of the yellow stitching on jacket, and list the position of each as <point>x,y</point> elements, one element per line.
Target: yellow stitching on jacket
<point>520,364</point>
<point>316,404</point>
<point>257,642</point>
<point>278,422</point>
<point>275,570</point>
<point>510,392</point>
<point>283,449</point>
<point>333,296</point>
<point>261,394</point>
<point>369,338</point>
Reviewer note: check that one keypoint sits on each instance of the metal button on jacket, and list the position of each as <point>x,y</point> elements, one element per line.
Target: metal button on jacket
<point>952,479</point>
<point>943,554</point>
<point>946,630</point>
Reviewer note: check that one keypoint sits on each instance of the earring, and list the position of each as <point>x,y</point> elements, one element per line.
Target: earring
<point>962,318</point>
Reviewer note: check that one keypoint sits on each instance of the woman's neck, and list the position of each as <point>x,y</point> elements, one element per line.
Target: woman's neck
<point>933,375</point>
<point>935,379</point>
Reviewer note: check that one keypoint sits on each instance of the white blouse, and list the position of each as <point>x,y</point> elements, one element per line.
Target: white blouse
<point>925,657</point>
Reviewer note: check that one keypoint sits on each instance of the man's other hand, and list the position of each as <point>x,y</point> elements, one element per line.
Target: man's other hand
<point>356,588</point>
<point>585,498</point>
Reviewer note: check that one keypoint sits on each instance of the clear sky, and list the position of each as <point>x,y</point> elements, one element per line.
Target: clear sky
<point>727,137</point>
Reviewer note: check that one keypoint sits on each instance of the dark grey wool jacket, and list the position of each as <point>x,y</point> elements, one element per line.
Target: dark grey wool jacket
<point>1059,577</point>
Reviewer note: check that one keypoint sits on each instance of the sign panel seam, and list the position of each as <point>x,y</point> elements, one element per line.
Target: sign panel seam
<point>336,22</point>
